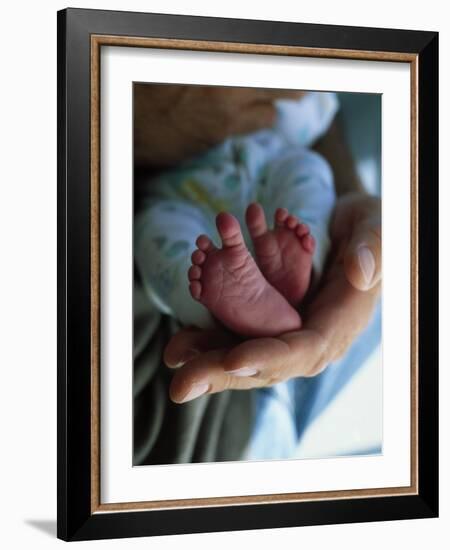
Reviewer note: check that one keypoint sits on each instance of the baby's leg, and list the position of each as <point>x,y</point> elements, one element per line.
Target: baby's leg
<point>165,232</point>
<point>298,194</point>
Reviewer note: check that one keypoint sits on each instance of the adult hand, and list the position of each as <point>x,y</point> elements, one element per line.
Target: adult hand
<point>174,122</point>
<point>214,361</point>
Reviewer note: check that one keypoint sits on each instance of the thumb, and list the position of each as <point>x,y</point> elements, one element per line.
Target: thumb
<point>362,258</point>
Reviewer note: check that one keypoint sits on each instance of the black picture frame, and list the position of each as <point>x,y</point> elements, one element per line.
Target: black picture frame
<point>76,520</point>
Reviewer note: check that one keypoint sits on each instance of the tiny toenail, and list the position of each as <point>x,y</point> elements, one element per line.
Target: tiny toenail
<point>366,263</point>
<point>196,391</point>
<point>244,371</point>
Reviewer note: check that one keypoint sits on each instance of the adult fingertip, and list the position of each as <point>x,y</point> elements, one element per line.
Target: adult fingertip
<point>182,347</point>
<point>168,358</point>
<point>196,390</point>
<point>353,272</point>
<point>183,389</point>
<point>361,268</point>
<point>171,356</point>
<point>178,360</point>
<point>366,261</point>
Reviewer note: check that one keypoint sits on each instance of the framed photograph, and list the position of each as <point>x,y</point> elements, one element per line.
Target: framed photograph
<point>247,274</point>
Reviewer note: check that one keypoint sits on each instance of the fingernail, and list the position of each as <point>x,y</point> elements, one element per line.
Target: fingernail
<point>366,263</point>
<point>244,371</point>
<point>196,391</point>
<point>190,354</point>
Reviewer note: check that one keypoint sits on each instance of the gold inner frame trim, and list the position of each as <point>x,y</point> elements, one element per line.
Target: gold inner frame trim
<point>264,49</point>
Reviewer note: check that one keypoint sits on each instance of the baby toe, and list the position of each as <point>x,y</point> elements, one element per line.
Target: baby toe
<point>256,220</point>
<point>194,273</point>
<point>291,222</point>
<point>195,288</point>
<point>229,230</point>
<point>198,257</point>
<point>204,243</point>
<point>281,216</point>
<point>302,229</point>
<point>308,243</point>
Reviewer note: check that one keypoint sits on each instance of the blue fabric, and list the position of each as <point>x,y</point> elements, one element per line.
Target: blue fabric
<point>284,411</point>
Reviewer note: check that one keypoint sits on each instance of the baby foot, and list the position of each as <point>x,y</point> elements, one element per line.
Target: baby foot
<point>283,254</point>
<point>229,283</point>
